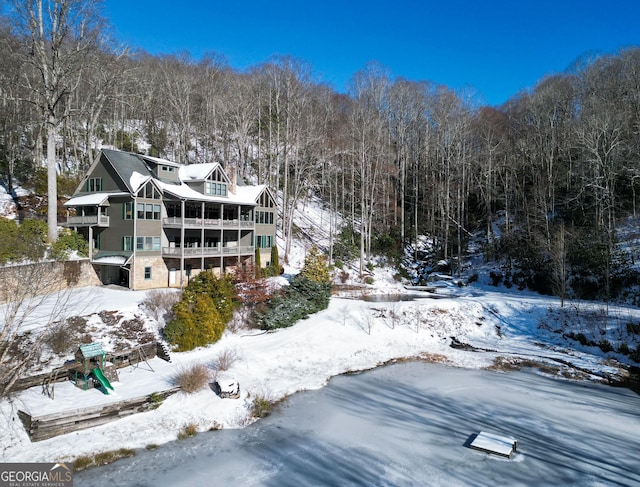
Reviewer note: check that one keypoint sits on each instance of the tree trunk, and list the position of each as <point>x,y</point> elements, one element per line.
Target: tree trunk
<point>52,186</point>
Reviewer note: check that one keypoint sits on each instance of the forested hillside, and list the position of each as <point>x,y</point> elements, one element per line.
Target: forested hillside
<point>547,178</point>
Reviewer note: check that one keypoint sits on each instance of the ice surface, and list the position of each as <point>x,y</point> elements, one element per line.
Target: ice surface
<point>407,424</point>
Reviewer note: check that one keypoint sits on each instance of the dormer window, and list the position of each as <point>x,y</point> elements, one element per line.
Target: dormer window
<point>170,169</point>
<point>215,189</point>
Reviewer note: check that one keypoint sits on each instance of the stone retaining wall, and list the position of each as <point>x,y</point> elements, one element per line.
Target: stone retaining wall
<point>45,277</point>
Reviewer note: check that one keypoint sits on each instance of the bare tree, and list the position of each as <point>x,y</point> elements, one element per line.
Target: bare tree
<point>32,299</point>
<point>560,262</point>
<point>57,36</point>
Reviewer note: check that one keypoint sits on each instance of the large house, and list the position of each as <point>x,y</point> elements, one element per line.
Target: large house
<point>154,223</point>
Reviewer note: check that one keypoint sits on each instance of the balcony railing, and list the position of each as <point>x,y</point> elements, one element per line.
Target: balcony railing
<point>207,251</point>
<point>100,220</point>
<point>176,222</point>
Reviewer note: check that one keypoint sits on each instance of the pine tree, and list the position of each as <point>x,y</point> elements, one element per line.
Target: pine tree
<point>316,267</point>
<point>258,264</point>
<point>197,323</point>
<point>275,260</point>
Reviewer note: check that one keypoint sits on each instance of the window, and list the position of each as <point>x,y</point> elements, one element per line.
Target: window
<point>147,273</point>
<point>150,192</point>
<point>127,243</point>
<point>167,168</point>
<point>147,243</point>
<point>264,217</point>
<point>147,211</point>
<point>264,241</point>
<point>127,210</point>
<point>94,185</point>
<point>216,189</point>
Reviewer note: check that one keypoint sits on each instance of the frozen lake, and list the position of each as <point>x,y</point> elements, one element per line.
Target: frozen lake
<point>408,424</point>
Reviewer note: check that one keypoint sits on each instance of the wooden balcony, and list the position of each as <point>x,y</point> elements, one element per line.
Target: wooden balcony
<point>88,221</point>
<point>176,222</point>
<point>191,252</point>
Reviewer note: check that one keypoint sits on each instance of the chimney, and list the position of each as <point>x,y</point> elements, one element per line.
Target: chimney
<point>234,178</point>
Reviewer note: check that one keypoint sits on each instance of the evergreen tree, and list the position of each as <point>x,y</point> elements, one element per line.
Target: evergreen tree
<point>258,264</point>
<point>316,267</point>
<point>275,261</point>
<point>202,314</point>
<point>197,323</point>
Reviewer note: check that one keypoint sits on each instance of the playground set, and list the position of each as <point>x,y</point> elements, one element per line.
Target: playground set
<point>92,370</point>
<point>92,367</point>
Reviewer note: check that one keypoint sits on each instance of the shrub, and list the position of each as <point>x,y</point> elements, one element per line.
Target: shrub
<point>297,301</point>
<point>155,400</point>
<point>68,241</point>
<point>496,278</point>
<point>160,303</point>
<point>605,346</point>
<point>102,458</point>
<point>32,239</point>
<point>261,407</point>
<point>222,291</point>
<point>197,323</point>
<point>192,379</point>
<point>624,349</point>
<point>224,360</point>
<point>633,328</point>
<point>188,431</point>
<point>60,339</point>
<point>8,240</point>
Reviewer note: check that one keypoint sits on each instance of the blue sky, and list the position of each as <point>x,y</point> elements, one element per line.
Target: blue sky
<point>496,48</point>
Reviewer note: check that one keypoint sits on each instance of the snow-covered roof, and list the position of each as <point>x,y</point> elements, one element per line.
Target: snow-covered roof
<point>163,162</point>
<point>111,260</point>
<point>93,199</point>
<point>183,191</point>
<point>137,180</point>
<point>196,172</point>
<point>250,193</point>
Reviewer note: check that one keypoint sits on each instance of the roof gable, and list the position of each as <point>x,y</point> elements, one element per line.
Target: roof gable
<point>131,168</point>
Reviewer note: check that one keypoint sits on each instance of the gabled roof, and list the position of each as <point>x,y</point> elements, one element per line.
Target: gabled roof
<point>126,165</point>
<point>134,171</point>
<point>197,172</point>
<point>251,193</point>
<point>185,192</point>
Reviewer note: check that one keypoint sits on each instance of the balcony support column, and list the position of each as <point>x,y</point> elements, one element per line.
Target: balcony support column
<point>202,240</point>
<point>182,244</point>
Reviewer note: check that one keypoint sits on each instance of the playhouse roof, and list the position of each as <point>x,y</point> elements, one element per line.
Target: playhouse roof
<point>89,350</point>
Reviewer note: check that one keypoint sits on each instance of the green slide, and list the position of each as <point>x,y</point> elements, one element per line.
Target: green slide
<point>102,379</point>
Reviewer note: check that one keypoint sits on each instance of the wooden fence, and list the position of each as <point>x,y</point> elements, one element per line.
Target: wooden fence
<point>54,424</point>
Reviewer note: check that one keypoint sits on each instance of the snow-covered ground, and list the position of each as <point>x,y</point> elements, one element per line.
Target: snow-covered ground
<point>351,335</point>
<point>364,327</point>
